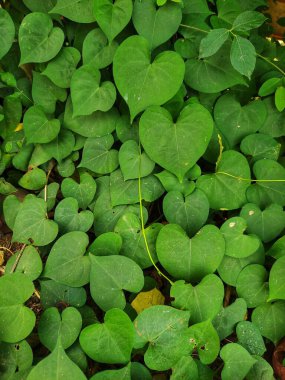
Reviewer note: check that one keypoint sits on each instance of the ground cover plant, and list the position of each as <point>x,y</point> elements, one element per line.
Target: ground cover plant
<point>142,190</point>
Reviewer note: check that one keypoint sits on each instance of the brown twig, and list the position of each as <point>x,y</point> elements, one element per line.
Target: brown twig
<point>18,258</point>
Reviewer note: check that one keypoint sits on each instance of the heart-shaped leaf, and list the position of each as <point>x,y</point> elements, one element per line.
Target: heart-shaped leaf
<point>260,146</point>
<point>113,17</point>
<point>257,292</point>
<point>62,67</point>
<point>133,163</point>
<point>15,358</point>
<point>109,276</point>
<point>39,41</point>
<point>236,122</point>
<point>237,244</point>
<point>129,228</point>
<point>276,280</point>
<point>190,212</point>
<point>266,224</point>
<point>31,223</point>
<point>165,329</point>
<point>98,155</point>
<point>185,368</point>
<point>142,83</point>
<point>16,320</point>
<point>156,25</point>
<point>237,361</point>
<point>176,146</point>
<point>38,128</point>
<point>61,146</point>
<point>107,244</point>
<point>250,338</point>
<point>223,190</point>
<point>269,318</point>
<point>171,183</point>
<point>83,192</point>
<point>114,374</point>
<point>56,365</point>
<point>52,325</point>
<point>7,32</point>
<point>206,341</point>
<point>260,369</point>
<point>110,342</point>
<point>78,11</point>
<point>66,262</point>
<point>69,219</point>
<point>87,94</point>
<point>196,298</point>
<point>34,179</point>
<point>196,257</point>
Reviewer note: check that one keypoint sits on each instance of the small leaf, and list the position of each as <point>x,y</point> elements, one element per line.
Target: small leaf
<point>269,86</point>
<point>144,300</point>
<point>78,11</point>
<point>280,98</point>
<point>83,192</point>
<point>248,20</point>
<point>250,338</point>
<point>276,283</point>
<point>114,374</point>
<point>185,368</point>
<point>7,32</point>
<point>212,42</point>
<point>243,56</point>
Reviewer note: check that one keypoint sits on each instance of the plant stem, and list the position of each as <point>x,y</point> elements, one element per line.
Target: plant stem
<point>271,63</point>
<point>194,28</point>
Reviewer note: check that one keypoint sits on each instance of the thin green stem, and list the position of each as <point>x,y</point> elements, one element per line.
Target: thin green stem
<point>271,63</point>
<point>194,28</point>
<point>249,179</point>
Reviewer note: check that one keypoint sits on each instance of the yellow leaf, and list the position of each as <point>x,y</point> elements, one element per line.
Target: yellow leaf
<point>144,300</point>
<point>19,127</point>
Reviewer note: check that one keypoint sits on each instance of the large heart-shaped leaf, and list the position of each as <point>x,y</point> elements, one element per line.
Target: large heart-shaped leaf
<point>196,257</point>
<point>31,223</point>
<point>78,11</point>
<point>57,365</point>
<point>176,146</point>
<point>109,276</point>
<point>7,32</point>
<point>16,320</point>
<point>87,94</point>
<point>52,325</point>
<point>236,122</point>
<point>66,262</point>
<point>156,25</point>
<point>196,298</point>
<point>142,83</point>
<point>224,189</point>
<point>39,41</point>
<point>113,17</point>
<point>165,329</point>
<point>109,342</point>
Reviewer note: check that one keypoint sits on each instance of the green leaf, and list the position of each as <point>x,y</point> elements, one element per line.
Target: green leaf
<point>36,6</point>
<point>97,50</point>
<point>39,41</point>
<point>250,338</point>
<point>260,146</point>
<point>236,121</point>
<point>114,374</point>
<point>98,155</point>
<point>142,83</point>
<point>276,283</point>
<point>7,32</point>
<point>196,257</point>
<point>165,329</point>
<point>267,192</point>
<point>257,292</point>
<point>16,320</point>
<point>56,365</point>
<point>68,218</point>
<point>133,163</point>
<point>237,361</point>
<point>53,325</point>
<point>243,56</point>
<point>224,191</point>
<point>15,357</point>
<point>66,262</point>
<point>62,67</point>
<point>280,98</point>
<point>113,17</point>
<point>196,298</point>
<point>269,318</point>
<point>274,123</point>
<point>248,20</point>
<point>34,179</point>
<point>269,86</point>
<point>213,42</point>
<point>87,94</point>
<point>238,244</point>
<point>61,146</point>
<point>260,370</point>
<point>133,243</point>
<point>109,276</point>
<point>185,368</point>
<point>38,128</point>
<point>110,342</point>
<point>213,74</point>
<point>277,249</point>
<point>31,223</point>
<point>107,244</point>
<point>83,192</point>
<point>226,320</point>
<point>206,341</point>
<point>78,10</point>
<point>176,146</point>
<point>157,25</point>
<point>266,224</point>
<point>30,263</point>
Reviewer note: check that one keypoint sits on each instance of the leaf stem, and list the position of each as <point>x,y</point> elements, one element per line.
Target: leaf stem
<point>18,258</point>
<point>194,28</point>
<point>271,63</point>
